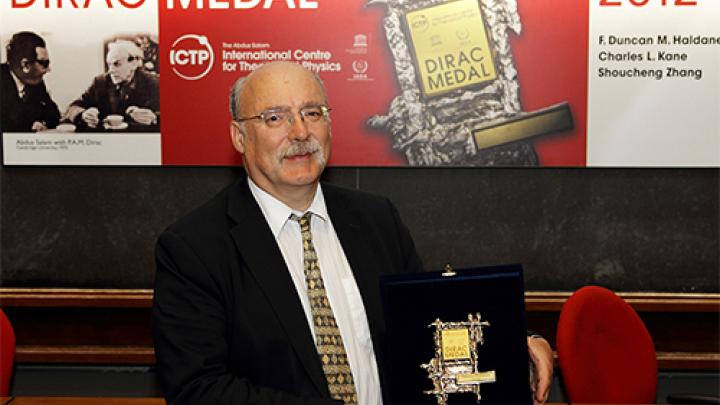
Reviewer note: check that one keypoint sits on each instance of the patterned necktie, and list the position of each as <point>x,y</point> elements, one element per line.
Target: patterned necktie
<point>329,343</point>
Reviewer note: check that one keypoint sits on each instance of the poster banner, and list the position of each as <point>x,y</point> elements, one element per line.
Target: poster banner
<point>410,82</point>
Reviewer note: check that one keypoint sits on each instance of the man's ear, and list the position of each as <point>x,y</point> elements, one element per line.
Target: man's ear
<point>25,65</point>
<point>238,136</point>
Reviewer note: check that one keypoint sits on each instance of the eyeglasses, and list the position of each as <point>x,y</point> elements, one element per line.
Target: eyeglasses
<point>276,118</point>
<point>43,62</point>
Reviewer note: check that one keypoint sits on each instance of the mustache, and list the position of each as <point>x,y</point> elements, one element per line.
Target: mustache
<point>308,147</point>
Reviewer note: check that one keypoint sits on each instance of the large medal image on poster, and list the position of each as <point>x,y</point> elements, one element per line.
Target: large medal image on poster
<point>80,86</point>
<point>461,92</point>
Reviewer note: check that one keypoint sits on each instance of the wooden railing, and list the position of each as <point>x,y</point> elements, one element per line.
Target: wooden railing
<point>86,326</point>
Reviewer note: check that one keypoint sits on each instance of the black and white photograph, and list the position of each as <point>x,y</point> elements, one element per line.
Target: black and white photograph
<point>80,86</point>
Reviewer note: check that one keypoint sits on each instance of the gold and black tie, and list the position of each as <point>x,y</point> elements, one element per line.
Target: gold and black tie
<point>329,343</point>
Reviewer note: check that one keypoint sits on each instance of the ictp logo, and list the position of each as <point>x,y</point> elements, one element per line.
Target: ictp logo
<point>191,56</point>
<point>420,23</point>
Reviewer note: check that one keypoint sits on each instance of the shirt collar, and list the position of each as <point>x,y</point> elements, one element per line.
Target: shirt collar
<point>18,83</point>
<point>277,213</point>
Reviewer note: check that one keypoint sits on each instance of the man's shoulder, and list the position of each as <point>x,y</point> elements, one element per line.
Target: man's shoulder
<point>102,78</point>
<point>6,79</point>
<point>100,82</point>
<point>210,217</point>
<point>146,77</point>
<point>5,68</point>
<point>354,197</point>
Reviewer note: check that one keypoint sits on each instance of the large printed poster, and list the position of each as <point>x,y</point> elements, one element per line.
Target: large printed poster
<point>410,82</point>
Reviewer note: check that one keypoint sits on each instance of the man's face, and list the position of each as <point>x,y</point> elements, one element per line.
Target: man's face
<point>33,71</point>
<point>121,69</point>
<point>294,154</point>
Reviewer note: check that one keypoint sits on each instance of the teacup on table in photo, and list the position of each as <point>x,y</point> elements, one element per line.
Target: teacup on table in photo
<point>115,121</point>
<point>65,127</point>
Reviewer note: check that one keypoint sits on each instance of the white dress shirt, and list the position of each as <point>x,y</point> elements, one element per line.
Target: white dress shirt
<point>340,285</point>
<point>19,85</point>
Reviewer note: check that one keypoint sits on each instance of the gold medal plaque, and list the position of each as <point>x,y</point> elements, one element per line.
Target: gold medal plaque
<point>454,369</point>
<point>451,46</point>
<point>459,99</point>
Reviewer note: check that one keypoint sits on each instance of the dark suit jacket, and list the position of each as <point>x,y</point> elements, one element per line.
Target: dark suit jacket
<point>19,115</point>
<point>229,327</point>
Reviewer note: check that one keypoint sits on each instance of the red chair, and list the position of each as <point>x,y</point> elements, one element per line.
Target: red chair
<point>7,353</point>
<point>606,354</point>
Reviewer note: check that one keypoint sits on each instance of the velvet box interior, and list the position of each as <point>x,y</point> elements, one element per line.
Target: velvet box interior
<point>412,302</point>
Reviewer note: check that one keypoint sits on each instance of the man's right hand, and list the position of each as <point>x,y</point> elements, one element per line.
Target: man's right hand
<point>39,126</point>
<point>91,117</point>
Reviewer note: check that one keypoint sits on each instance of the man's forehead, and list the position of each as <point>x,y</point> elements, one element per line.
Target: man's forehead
<point>281,76</point>
<point>281,86</point>
<point>115,54</point>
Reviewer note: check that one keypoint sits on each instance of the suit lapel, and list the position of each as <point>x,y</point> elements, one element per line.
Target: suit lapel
<point>257,246</point>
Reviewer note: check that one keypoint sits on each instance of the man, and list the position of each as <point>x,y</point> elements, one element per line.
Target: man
<point>26,104</point>
<point>126,89</point>
<point>269,293</point>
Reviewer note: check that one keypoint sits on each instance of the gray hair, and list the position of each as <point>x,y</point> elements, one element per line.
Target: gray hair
<point>237,89</point>
<point>235,92</point>
<point>129,47</point>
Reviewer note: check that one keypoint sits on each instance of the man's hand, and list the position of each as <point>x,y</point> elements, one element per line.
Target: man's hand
<point>38,126</point>
<point>541,355</point>
<point>91,117</point>
<point>142,116</point>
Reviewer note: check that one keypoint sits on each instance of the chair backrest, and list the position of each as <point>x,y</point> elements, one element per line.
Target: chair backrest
<point>606,354</point>
<point>7,353</point>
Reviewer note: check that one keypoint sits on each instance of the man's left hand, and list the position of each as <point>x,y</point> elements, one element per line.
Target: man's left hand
<point>142,116</point>
<point>38,126</point>
<point>541,355</point>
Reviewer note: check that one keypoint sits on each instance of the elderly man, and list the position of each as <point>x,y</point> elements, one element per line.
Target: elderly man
<point>269,293</point>
<point>26,104</point>
<point>126,90</point>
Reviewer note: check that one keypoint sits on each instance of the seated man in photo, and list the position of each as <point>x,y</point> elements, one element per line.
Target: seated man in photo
<point>26,104</point>
<point>126,91</point>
